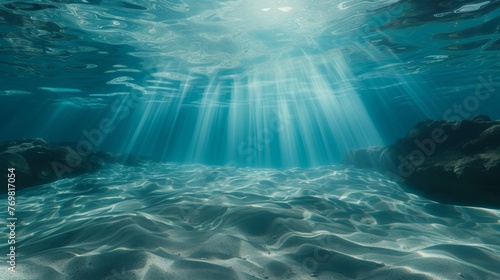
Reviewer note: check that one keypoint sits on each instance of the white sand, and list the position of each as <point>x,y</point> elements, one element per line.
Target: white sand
<point>200,222</point>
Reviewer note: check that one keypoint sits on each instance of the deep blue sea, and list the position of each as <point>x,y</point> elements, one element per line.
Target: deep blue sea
<point>247,109</point>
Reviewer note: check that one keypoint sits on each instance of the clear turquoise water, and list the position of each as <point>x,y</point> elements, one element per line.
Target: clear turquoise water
<point>250,106</point>
<point>254,83</point>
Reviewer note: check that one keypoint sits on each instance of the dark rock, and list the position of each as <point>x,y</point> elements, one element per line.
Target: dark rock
<point>481,118</point>
<point>37,162</point>
<point>450,161</point>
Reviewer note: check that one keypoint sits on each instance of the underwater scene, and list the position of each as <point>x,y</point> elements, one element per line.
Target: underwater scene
<point>238,139</point>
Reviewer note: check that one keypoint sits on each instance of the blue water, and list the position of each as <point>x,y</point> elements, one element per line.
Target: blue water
<point>284,83</point>
<point>249,104</point>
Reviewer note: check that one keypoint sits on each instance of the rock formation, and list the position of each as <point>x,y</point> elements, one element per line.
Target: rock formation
<point>454,162</point>
<point>37,162</point>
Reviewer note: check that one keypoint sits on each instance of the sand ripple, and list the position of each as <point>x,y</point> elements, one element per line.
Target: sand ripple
<point>200,222</point>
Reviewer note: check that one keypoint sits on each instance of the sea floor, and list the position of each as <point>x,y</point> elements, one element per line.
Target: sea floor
<point>178,221</point>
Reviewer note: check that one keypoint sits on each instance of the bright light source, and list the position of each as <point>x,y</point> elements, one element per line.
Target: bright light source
<point>285,9</point>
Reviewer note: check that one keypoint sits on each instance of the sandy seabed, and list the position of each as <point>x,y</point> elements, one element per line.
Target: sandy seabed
<point>173,221</point>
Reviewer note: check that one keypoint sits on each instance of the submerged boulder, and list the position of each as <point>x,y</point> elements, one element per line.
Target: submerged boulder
<point>37,162</point>
<point>454,162</point>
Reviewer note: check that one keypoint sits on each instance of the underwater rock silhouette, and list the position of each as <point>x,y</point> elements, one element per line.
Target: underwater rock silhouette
<point>37,162</point>
<point>454,162</point>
